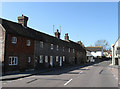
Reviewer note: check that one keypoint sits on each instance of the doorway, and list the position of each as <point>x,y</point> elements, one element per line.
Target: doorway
<point>51,61</point>
<point>116,61</point>
<point>60,61</point>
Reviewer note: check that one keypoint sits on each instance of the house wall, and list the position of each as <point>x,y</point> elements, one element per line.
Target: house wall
<point>2,43</point>
<point>20,50</point>
<point>47,51</point>
<point>2,48</point>
<point>98,53</point>
<point>114,52</point>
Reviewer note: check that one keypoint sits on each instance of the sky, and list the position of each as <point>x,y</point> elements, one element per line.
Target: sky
<point>83,21</point>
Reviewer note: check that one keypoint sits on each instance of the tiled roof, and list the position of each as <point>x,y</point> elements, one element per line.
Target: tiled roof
<point>97,48</point>
<point>18,29</point>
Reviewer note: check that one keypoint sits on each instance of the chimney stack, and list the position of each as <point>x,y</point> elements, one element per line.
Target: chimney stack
<point>57,34</point>
<point>23,20</point>
<point>66,37</point>
<point>79,42</point>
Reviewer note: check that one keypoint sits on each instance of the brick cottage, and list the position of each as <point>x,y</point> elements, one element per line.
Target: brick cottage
<point>24,48</point>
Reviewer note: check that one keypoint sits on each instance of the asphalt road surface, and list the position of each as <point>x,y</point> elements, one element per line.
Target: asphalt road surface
<point>97,75</point>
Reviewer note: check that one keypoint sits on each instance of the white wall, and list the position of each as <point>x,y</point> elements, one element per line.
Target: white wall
<point>2,43</point>
<point>98,53</point>
<point>114,49</point>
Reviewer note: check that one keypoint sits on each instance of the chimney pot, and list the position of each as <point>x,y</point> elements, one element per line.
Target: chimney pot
<point>57,34</point>
<point>66,37</point>
<point>23,20</point>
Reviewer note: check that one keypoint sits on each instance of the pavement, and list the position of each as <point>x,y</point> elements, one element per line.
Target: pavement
<point>96,75</point>
<point>13,76</point>
<point>22,74</point>
<point>116,72</point>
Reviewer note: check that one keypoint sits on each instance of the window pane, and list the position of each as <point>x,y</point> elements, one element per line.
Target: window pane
<point>41,59</point>
<point>28,42</point>
<point>41,44</point>
<point>51,46</point>
<point>57,59</point>
<point>46,59</point>
<point>14,40</point>
<point>10,60</point>
<point>29,59</point>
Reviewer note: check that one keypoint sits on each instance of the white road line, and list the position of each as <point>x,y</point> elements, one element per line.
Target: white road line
<point>90,66</point>
<point>117,78</point>
<point>4,83</point>
<point>80,72</point>
<point>19,79</point>
<point>67,82</point>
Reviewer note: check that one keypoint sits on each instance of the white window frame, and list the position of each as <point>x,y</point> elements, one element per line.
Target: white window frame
<point>73,50</point>
<point>69,50</point>
<point>57,48</point>
<point>28,42</point>
<point>57,58</point>
<point>12,58</point>
<point>63,58</point>
<point>51,46</point>
<point>41,44</point>
<point>29,59</point>
<point>14,40</point>
<point>51,60</point>
<point>46,59</point>
<point>41,59</point>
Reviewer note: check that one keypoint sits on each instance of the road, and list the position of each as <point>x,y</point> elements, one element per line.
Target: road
<point>97,75</point>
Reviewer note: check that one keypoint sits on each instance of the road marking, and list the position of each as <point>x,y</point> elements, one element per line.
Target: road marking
<point>117,78</point>
<point>67,82</point>
<point>101,71</point>
<point>3,83</point>
<point>80,72</point>
<point>9,81</point>
<point>20,79</point>
<point>90,66</point>
<point>32,80</point>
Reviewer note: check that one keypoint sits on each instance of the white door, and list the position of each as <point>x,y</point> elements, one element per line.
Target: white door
<point>60,61</point>
<point>51,60</point>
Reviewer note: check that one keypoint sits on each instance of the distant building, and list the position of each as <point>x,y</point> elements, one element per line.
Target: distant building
<point>89,56</point>
<point>96,51</point>
<point>116,53</point>
<point>23,48</point>
<point>107,53</point>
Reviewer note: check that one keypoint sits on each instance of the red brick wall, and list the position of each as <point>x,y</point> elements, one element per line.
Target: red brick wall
<point>21,46</point>
<point>21,50</point>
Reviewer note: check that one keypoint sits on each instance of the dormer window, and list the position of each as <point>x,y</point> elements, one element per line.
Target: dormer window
<point>14,40</point>
<point>51,46</point>
<point>28,42</point>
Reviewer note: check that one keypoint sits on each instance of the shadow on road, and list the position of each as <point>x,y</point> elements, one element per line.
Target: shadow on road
<point>68,69</point>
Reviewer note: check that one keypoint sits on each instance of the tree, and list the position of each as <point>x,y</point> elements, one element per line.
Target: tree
<point>103,43</point>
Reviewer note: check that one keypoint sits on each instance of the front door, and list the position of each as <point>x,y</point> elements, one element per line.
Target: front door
<point>51,60</point>
<point>116,61</point>
<point>60,61</point>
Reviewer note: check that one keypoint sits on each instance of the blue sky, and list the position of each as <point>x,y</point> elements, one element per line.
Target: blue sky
<point>85,21</point>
